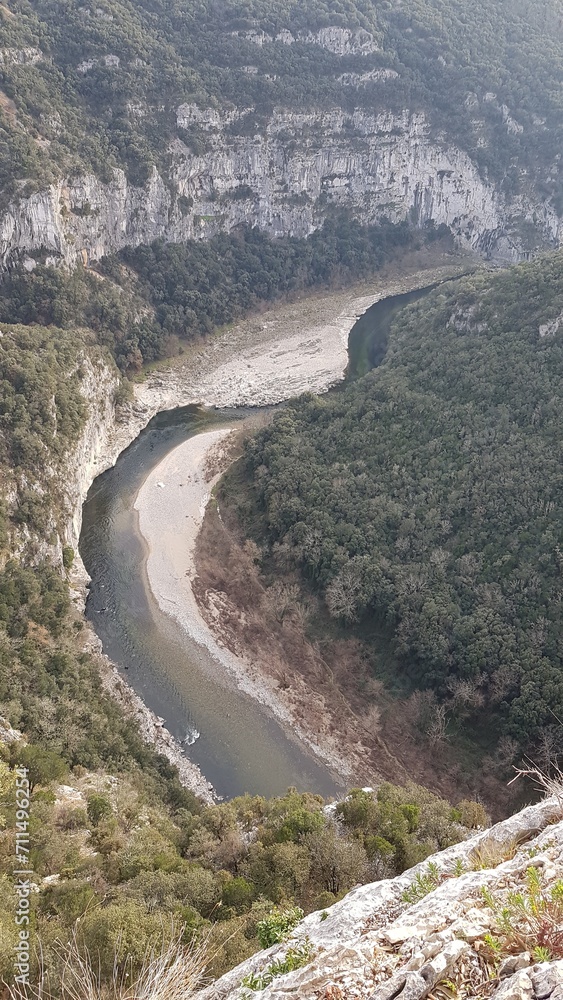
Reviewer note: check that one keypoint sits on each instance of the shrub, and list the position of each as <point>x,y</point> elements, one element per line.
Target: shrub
<point>531,920</point>
<point>68,556</point>
<point>278,925</point>
<point>423,883</point>
<point>472,815</point>
<point>295,958</point>
<point>238,894</point>
<point>43,766</point>
<point>98,808</point>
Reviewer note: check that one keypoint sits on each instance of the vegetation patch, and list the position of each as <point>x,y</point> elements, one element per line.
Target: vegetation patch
<point>278,925</point>
<point>424,498</point>
<point>149,301</point>
<point>528,921</point>
<point>295,958</point>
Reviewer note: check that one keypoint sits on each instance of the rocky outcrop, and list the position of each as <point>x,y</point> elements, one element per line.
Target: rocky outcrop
<point>438,925</point>
<point>550,329</point>
<point>90,456</point>
<point>20,57</point>
<point>283,176</point>
<point>339,41</point>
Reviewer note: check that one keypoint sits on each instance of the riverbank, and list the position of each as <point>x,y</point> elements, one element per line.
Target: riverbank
<point>171,506</point>
<point>290,348</point>
<point>151,726</point>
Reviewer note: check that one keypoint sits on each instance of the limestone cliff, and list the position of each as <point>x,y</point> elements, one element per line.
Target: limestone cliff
<point>283,176</point>
<point>480,919</point>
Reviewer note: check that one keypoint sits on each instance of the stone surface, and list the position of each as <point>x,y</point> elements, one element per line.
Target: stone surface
<point>518,987</point>
<point>298,167</point>
<point>513,964</point>
<point>546,979</point>
<point>373,945</point>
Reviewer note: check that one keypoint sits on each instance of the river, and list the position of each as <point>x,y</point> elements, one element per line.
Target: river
<point>238,746</point>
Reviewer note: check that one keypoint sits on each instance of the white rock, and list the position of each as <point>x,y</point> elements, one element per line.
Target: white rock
<point>380,164</point>
<point>546,978</point>
<point>518,987</point>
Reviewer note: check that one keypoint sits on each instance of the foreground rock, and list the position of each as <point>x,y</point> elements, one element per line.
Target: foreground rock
<point>381,942</point>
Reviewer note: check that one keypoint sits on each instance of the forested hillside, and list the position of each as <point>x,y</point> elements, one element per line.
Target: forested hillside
<point>123,856</point>
<point>427,495</point>
<point>94,83</point>
<point>149,302</point>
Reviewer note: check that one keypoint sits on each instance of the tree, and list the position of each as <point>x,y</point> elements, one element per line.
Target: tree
<point>44,766</point>
<point>336,863</point>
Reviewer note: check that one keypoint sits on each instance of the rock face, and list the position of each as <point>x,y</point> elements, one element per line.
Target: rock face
<point>98,386</point>
<point>283,176</point>
<point>382,943</point>
<point>339,41</point>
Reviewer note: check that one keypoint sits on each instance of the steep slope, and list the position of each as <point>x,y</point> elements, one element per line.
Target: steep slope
<point>126,122</point>
<point>384,165</point>
<point>481,919</point>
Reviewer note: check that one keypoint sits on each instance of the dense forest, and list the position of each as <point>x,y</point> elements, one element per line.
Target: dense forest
<point>148,301</point>
<point>96,84</point>
<point>123,856</point>
<point>426,497</point>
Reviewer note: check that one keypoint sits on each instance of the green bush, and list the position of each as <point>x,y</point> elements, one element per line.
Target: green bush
<point>295,958</point>
<point>278,925</point>
<point>238,894</point>
<point>68,557</point>
<point>98,808</point>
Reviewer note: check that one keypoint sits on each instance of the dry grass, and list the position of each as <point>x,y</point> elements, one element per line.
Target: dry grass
<point>473,978</point>
<point>168,972</point>
<point>491,853</point>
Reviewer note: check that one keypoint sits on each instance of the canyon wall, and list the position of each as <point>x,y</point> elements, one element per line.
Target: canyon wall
<point>285,178</point>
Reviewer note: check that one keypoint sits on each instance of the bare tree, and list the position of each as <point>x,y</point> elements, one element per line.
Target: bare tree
<point>436,730</point>
<point>342,593</point>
